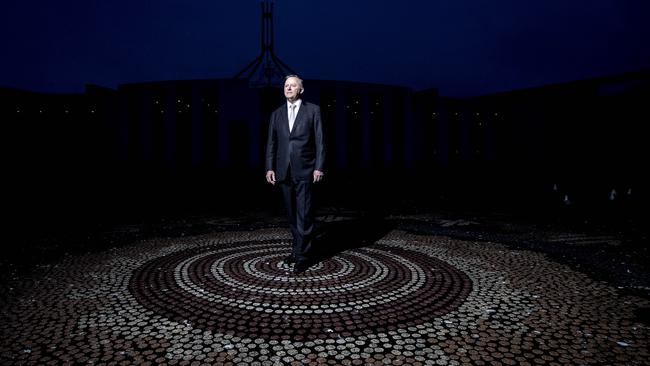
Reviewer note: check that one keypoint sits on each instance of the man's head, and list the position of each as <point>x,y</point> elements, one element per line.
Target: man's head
<point>293,88</point>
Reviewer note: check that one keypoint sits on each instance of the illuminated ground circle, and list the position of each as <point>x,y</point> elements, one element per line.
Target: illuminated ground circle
<point>244,289</point>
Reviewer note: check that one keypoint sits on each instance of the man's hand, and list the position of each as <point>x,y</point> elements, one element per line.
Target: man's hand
<point>318,176</point>
<point>270,177</point>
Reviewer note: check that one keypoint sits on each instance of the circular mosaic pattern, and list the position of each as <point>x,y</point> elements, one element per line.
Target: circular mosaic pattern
<point>523,308</point>
<point>244,289</point>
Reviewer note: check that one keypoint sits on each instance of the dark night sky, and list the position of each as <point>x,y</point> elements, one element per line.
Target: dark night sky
<point>462,47</point>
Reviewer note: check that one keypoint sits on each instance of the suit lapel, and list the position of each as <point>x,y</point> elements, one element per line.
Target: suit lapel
<point>300,116</point>
<point>284,118</point>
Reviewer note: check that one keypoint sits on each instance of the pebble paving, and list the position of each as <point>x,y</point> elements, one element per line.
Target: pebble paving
<point>227,299</point>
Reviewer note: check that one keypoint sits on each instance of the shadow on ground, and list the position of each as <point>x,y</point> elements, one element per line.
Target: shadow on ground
<point>335,237</point>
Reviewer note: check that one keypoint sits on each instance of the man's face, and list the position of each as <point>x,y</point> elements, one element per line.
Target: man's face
<point>292,89</point>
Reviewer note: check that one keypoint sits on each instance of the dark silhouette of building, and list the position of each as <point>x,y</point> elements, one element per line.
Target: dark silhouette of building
<point>584,138</point>
<point>188,144</point>
<point>201,142</point>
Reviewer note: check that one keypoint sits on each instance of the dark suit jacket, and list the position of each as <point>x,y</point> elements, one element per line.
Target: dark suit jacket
<point>303,148</point>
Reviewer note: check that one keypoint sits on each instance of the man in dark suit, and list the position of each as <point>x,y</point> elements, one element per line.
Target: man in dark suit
<point>295,158</point>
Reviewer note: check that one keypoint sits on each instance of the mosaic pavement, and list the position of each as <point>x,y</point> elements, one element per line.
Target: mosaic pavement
<point>408,299</point>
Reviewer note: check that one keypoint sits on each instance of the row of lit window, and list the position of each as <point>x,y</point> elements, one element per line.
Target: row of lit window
<point>188,106</point>
<point>433,114</point>
<point>92,111</point>
<point>180,111</point>
<point>181,102</point>
<point>41,111</point>
<point>356,102</point>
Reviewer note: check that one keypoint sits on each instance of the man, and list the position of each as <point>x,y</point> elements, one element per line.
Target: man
<point>295,158</point>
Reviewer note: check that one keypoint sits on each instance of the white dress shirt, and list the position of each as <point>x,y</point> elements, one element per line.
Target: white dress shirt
<point>297,103</point>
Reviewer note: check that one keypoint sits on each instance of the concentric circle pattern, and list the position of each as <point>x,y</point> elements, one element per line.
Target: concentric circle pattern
<point>225,298</point>
<point>244,289</point>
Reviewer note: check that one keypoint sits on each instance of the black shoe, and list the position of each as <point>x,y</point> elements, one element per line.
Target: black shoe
<point>301,267</point>
<point>289,260</point>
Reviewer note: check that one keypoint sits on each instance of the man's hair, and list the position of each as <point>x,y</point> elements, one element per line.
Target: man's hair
<point>294,76</point>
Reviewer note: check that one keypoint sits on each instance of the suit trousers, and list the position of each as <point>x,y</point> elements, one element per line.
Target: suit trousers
<point>297,201</point>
